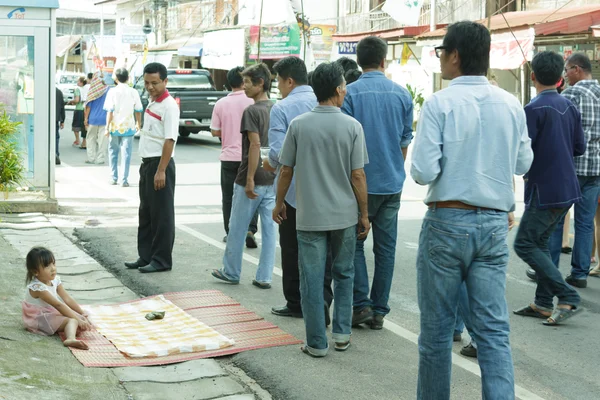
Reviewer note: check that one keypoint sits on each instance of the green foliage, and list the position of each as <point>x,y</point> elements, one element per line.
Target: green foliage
<point>417,96</point>
<point>11,162</point>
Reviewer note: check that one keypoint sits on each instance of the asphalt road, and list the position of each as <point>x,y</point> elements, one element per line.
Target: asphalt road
<point>550,362</point>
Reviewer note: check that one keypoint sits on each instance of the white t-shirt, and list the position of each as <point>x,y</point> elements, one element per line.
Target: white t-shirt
<point>123,101</point>
<point>161,122</point>
<point>37,286</point>
<point>84,92</point>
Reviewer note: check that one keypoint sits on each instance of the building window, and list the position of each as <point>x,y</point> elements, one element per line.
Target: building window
<point>353,6</point>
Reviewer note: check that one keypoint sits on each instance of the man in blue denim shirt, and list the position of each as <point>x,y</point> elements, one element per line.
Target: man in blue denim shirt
<point>551,188</point>
<point>471,139</point>
<point>298,99</point>
<point>385,110</point>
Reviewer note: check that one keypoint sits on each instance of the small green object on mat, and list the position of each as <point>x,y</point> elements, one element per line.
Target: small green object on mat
<point>155,315</point>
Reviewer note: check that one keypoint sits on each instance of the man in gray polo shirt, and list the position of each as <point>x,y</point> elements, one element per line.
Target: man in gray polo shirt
<point>327,150</point>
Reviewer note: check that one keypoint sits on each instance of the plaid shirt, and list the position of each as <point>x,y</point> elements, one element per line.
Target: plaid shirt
<point>586,96</point>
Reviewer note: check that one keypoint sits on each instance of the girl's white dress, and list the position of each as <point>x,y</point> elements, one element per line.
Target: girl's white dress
<point>39,316</point>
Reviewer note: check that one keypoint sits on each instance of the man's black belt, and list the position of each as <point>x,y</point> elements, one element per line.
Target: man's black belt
<point>148,159</point>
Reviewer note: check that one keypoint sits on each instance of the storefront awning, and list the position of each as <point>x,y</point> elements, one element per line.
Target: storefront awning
<point>65,43</point>
<point>564,21</point>
<point>191,50</point>
<point>407,31</point>
<point>175,43</point>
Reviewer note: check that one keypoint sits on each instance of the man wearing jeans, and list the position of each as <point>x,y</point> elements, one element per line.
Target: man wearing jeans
<point>253,186</point>
<point>328,152</point>
<point>471,139</point>
<point>584,92</point>
<point>120,105</point>
<point>225,124</point>
<point>298,98</point>
<point>385,110</point>
<point>554,126</point>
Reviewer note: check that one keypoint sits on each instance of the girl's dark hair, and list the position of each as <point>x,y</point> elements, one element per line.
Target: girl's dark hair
<point>36,258</point>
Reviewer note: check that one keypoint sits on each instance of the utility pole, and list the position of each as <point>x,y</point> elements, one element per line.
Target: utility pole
<point>66,59</point>
<point>432,6</point>
<point>262,3</point>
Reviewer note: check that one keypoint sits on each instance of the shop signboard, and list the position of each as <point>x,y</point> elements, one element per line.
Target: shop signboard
<point>276,41</point>
<point>347,47</point>
<point>321,39</point>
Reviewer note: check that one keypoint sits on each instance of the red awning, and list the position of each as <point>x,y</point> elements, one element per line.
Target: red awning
<point>407,31</point>
<point>565,21</point>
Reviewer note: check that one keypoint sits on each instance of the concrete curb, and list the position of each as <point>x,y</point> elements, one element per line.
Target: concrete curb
<point>89,283</point>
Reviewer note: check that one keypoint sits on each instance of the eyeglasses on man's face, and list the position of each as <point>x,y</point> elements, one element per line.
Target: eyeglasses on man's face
<point>438,50</point>
<point>571,67</point>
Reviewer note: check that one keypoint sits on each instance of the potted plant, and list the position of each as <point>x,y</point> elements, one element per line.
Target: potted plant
<point>11,162</point>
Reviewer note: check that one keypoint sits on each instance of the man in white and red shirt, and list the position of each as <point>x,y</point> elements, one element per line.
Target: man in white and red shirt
<point>156,231</point>
<point>225,124</point>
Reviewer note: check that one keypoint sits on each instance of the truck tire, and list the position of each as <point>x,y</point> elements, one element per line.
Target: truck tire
<point>184,132</point>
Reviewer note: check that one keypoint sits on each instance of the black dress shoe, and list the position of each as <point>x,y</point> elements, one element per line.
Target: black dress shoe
<point>251,241</point>
<point>286,312</point>
<point>578,283</point>
<point>566,250</point>
<point>136,264</point>
<point>153,268</point>
<point>531,274</point>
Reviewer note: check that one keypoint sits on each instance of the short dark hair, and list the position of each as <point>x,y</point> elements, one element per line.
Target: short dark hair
<point>310,75</point>
<point>547,67</point>
<point>292,67</point>
<point>90,76</point>
<point>156,68</point>
<point>352,76</point>
<point>258,72</point>
<point>326,79</point>
<point>347,64</point>
<point>38,257</point>
<point>581,60</point>
<point>122,75</point>
<point>371,52</point>
<point>472,42</point>
<point>234,77</point>
<point>82,80</point>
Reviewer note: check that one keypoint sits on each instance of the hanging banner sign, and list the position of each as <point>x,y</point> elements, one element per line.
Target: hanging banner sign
<point>275,41</point>
<point>321,40</point>
<point>506,52</point>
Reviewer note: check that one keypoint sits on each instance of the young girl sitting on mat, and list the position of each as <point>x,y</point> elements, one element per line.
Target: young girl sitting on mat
<point>48,308</point>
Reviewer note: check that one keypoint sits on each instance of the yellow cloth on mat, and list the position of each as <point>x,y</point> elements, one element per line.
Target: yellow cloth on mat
<point>127,328</point>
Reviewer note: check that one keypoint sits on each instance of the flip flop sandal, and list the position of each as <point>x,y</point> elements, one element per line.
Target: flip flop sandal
<point>528,311</point>
<point>261,285</point>
<point>560,315</point>
<point>305,350</point>
<point>219,275</point>
<point>342,346</point>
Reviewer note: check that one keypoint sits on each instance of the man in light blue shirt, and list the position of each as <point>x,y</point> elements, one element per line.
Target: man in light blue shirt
<point>385,111</point>
<point>298,99</point>
<point>472,139</point>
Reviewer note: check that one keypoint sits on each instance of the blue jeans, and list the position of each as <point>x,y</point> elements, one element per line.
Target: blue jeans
<point>457,246</point>
<point>242,211</point>
<point>312,257</point>
<point>383,214</point>
<point>123,145</point>
<point>585,211</point>
<point>531,244</point>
